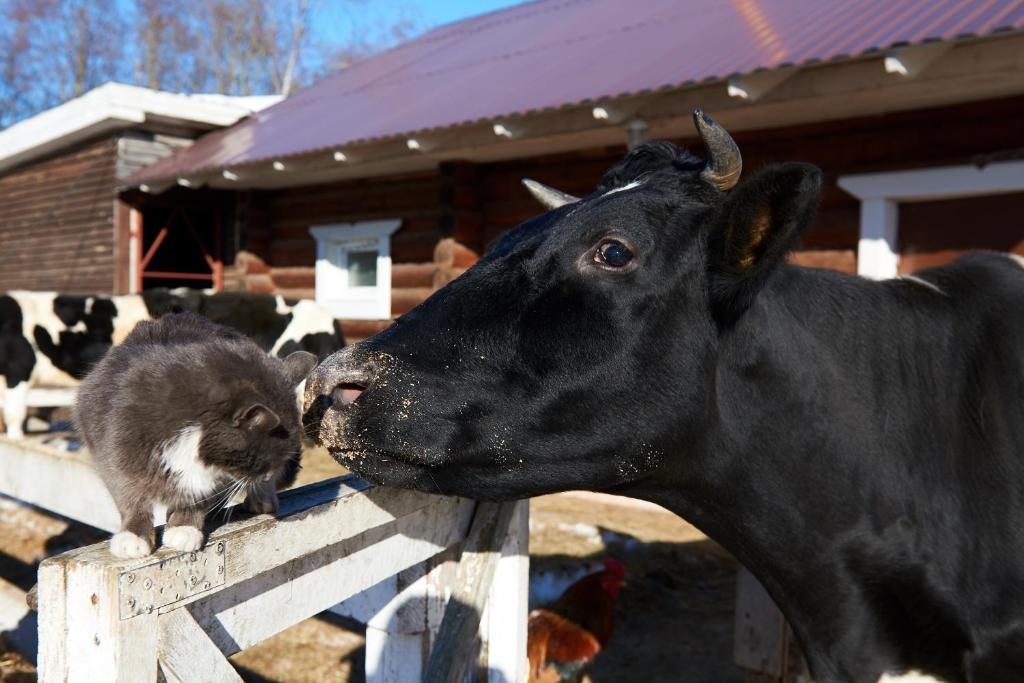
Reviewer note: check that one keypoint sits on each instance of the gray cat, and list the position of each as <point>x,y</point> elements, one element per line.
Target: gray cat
<point>186,412</point>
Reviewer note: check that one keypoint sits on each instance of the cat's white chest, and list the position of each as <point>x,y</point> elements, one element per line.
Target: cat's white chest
<point>180,456</point>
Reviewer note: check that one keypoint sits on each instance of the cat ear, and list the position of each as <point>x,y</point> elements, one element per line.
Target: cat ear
<point>257,417</point>
<point>298,365</point>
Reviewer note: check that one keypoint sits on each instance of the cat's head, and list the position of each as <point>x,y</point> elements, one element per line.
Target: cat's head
<point>251,430</point>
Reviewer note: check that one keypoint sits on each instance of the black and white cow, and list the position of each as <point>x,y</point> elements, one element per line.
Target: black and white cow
<point>51,340</point>
<point>858,445</point>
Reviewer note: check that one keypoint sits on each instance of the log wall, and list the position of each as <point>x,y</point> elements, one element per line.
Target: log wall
<point>449,217</point>
<point>57,221</point>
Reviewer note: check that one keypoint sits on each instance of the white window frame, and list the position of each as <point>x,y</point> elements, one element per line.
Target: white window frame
<point>333,244</point>
<point>881,193</point>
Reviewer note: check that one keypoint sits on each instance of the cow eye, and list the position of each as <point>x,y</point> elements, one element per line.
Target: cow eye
<point>613,254</point>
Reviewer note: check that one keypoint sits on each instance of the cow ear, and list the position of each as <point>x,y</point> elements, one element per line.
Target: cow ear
<point>762,220</point>
<point>257,417</point>
<point>298,365</point>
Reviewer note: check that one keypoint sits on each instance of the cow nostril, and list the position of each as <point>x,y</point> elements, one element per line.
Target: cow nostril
<point>346,393</point>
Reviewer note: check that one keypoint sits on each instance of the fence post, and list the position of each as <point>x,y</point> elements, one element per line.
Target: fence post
<point>400,633</point>
<point>503,629</point>
<point>457,644</point>
<point>82,636</point>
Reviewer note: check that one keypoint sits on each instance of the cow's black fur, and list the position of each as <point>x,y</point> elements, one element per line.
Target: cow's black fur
<point>320,344</point>
<point>858,445</point>
<point>254,315</point>
<point>77,351</point>
<point>18,358</point>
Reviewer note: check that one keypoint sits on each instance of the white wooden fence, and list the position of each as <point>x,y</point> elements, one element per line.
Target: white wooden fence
<point>389,558</point>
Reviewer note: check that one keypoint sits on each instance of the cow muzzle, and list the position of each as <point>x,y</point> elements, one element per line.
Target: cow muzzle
<point>334,388</point>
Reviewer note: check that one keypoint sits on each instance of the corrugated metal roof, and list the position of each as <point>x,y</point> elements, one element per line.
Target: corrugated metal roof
<point>550,53</point>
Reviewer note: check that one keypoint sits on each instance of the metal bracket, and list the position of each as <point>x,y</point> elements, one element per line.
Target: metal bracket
<point>164,582</point>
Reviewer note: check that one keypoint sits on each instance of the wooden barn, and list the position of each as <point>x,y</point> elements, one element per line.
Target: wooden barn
<point>385,180</point>
<point>62,226</point>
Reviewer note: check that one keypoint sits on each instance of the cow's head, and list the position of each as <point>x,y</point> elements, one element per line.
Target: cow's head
<point>580,351</point>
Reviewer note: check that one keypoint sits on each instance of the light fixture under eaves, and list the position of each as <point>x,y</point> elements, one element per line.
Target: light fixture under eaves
<point>278,165</point>
<point>340,156</point>
<point>413,144</point>
<point>895,65</point>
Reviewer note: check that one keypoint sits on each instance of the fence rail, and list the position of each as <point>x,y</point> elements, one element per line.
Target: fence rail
<point>183,614</point>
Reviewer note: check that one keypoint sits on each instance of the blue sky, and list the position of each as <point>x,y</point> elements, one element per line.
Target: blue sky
<point>337,18</point>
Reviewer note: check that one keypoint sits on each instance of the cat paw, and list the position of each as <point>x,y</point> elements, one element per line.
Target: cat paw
<point>127,545</point>
<point>183,538</point>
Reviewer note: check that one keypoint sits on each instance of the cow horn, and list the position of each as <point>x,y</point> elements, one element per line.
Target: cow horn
<point>549,197</point>
<point>724,163</point>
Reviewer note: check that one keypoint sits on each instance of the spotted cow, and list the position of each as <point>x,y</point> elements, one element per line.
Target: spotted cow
<point>50,340</point>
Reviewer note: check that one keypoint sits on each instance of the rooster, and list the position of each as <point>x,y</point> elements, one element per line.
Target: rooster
<point>563,637</point>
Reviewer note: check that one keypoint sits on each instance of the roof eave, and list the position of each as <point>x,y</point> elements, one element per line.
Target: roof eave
<point>770,98</point>
<point>108,108</point>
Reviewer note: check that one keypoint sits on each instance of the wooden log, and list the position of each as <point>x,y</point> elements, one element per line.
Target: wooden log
<point>294,277</point>
<point>356,330</point>
<point>406,275</point>
<point>404,300</point>
<point>457,640</point>
<point>259,283</point>
<point>297,293</point>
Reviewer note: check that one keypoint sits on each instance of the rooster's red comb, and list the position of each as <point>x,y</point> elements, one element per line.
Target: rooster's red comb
<point>614,567</point>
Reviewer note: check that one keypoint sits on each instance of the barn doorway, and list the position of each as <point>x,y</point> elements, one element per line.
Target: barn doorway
<point>178,240</point>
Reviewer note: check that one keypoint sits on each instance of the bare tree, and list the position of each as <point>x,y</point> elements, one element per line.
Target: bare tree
<point>299,26</point>
<point>53,50</point>
<point>166,44</point>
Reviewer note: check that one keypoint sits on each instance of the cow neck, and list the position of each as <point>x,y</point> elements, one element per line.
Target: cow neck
<point>776,476</point>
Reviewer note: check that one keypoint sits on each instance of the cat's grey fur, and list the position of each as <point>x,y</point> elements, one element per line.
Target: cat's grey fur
<point>183,412</point>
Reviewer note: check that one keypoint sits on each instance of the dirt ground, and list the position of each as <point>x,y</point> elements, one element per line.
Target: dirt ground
<point>673,619</point>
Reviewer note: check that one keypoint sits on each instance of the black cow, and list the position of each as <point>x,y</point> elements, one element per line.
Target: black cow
<point>858,445</point>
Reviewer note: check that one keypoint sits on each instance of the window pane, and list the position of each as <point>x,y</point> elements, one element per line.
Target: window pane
<point>362,269</point>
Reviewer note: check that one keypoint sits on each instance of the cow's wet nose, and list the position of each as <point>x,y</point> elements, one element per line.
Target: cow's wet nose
<point>339,381</point>
<point>346,393</point>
